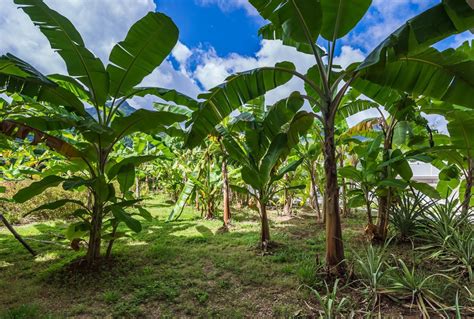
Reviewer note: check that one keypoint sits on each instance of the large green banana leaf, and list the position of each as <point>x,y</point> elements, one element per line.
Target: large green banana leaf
<point>145,121</point>
<point>169,95</point>
<point>445,19</point>
<point>236,91</point>
<point>17,76</point>
<point>446,76</point>
<point>298,23</point>
<point>461,131</point>
<point>66,40</point>
<point>147,44</point>
<point>341,16</point>
<point>299,20</point>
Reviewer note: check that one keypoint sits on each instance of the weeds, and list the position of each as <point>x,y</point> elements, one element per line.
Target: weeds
<point>408,285</point>
<point>373,269</point>
<point>407,215</point>
<point>331,306</point>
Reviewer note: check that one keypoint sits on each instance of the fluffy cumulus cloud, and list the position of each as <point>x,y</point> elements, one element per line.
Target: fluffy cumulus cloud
<point>383,18</point>
<point>101,24</point>
<point>212,69</point>
<point>193,70</point>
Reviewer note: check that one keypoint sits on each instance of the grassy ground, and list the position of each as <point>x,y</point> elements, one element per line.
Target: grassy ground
<point>180,269</point>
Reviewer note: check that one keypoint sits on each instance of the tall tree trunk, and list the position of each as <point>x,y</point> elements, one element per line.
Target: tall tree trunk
<point>196,200</point>
<point>226,193</point>
<point>467,193</point>
<point>314,192</point>
<point>287,207</point>
<point>334,244</point>
<point>384,200</point>
<point>93,249</point>
<point>265,231</point>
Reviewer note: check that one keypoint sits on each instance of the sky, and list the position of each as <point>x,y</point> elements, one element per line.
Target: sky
<point>217,38</point>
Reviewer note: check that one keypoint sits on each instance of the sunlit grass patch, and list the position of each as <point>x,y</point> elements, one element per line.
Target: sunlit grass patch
<point>47,257</point>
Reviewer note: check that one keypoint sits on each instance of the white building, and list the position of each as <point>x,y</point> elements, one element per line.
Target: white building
<point>425,172</point>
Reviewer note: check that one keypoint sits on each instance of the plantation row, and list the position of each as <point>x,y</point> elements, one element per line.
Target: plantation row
<point>77,131</point>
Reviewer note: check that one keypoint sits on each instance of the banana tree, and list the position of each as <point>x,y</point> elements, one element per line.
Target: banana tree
<point>260,148</point>
<point>401,124</point>
<point>454,153</point>
<point>366,176</point>
<point>87,138</point>
<point>301,23</point>
<point>310,150</point>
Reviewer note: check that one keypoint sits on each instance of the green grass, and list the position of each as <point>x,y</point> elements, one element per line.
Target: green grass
<point>180,269</point>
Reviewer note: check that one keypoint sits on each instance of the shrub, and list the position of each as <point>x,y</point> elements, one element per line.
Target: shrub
<point>14,212</point>
<point>406,215</point>
<point>406,284</point>
<point>373,268</point>
<point>449,237</point>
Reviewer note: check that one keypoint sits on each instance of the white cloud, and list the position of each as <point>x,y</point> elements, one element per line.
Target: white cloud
<point>229,5</point>
<point>181,53</point>
<point>101,24</point>
<point>348,56</point>
<point>212,69</point>
<point>383,18</point>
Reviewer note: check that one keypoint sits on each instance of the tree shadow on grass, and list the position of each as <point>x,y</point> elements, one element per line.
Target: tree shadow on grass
<point>176,260</point>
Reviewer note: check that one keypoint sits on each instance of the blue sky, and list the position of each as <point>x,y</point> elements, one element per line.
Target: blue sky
<point>222,36</point>
<point>227,30</point>
<point>229,27</point>
<point>217,38</point>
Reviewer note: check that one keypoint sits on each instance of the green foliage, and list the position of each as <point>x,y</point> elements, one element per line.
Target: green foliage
<point>16,212</point>
<point>236,91</point>
<point>265,145</point>
<point>449,237</point>
<point>409,286</point>
<point>92,140</point>
<point>447,18</point>
<point>22,312</point>
<point>373,270</point>
<point>139,53</point>
<point>408,214</point>
<point>332,306</point>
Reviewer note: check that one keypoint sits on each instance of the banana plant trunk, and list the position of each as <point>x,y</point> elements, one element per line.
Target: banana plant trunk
<point>468,192</point>
<point>137,187</point>
<point>95,238</point>
<point>287,208</point>
<point>314,192</point>
<point>369,210</point>
<point>226,193</point>
<point>384,200</point>
<point>334,244</point>
<point>265,231</point>
<point>209,209</point>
